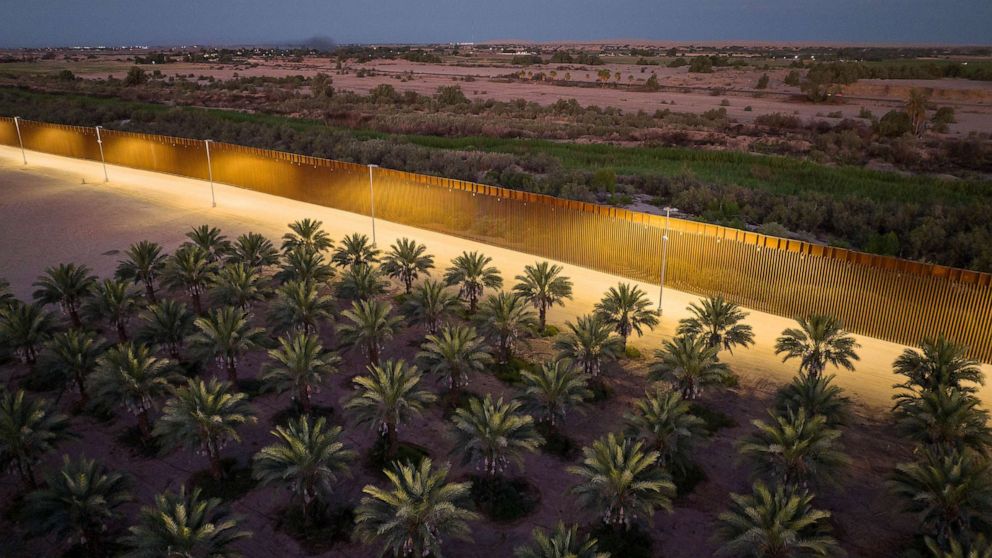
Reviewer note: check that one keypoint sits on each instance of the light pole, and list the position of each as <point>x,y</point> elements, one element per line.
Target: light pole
<point>664,257</point>
<point>99,141</point>
<point>372,200</point>
<point>210,174</point>
<point>17,124</point>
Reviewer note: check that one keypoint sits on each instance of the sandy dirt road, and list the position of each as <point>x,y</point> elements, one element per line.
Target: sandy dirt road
<point>57,210</point>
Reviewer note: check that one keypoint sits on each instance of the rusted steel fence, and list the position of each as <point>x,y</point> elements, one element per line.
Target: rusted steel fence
<point>889,298</point>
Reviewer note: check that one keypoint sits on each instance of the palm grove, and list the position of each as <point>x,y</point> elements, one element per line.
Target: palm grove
<point>167,346</point>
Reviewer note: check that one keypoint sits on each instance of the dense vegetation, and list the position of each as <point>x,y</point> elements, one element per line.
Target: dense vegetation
<point>919,217</point>
<point>158,371</point>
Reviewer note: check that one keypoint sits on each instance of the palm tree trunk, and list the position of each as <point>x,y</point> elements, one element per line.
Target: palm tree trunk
<point>197,305</point>
<point>150,292</point>
<point>81,384</point>
<point>542,313</point>
<point>143,425</point>
<point>305,398</point>
<point>392,441</point>
<point>121,333</point>
<point>216,469</point>
<point>27,474</point>
<point>232,370</point>
<point>74,315</point>
<point>373,354</point>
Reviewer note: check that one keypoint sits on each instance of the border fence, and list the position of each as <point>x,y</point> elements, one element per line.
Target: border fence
<point>889,298</point>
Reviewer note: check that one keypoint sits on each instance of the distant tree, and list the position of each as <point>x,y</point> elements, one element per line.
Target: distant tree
<point>819,340</point>
<point>355,249</point>
<point>66,285</point>
<point>239,285</point>
<point>24,328</point>
<point>626,307</point>
<point>186,525</point>
<point>113,301</point>
<point>210,240</point>
<point>621,481</point>
<point>543,285</point>
<point>450,95</point>
<point>762,82</point>
<point>303,264</point>
<point>775,523</point>
<point>589,343</point>
<point>135,76</point>
<point>369,324</point>
<point>386,397</point>
<point>226,334</point>
<point>690,364</point>
<point>29,429</point>
<point>254,250</point>
<point>916,108</point>
<point>415,513</point>
<point>506,320</point>
<point>361,282</point>
<point>718,322</point>
<point>299,365</point>
<point>430,303</point>
<point>204,417</point>
<point>308,458</point>
<point>406,261</point>
<point>473,274</point>
<point>143,263</point>
<point>562,542</point>
<point>189,269</point>
<point>79,504</point>
<point>73,356</point>
<point>166,324</point>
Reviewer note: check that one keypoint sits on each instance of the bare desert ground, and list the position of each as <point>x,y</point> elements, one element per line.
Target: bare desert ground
<point>681,91</point>
<point>55,210</point>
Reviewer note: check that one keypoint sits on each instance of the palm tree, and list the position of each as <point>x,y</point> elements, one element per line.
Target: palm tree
<point>130,376</point>
<point>916,108</point>
<point>361,282</point>
<point>23,327</point>
<point>254,250</point>
<point>622,481</point>
<point>204,417</point>
<point>414,515</point>
<point>356,249</point>
<point>943,421</point>
<point>563,542</point>
<point>306,234</point>
<point>78,504</point>
<point>978,547</point>
<point>226,335</point>
<point>307,458</point>
<point>299,306</point>
<point>690,364</point>
<point>370,324</point>
<point>29,429</point>
<point>589,343</point>
<point>430,303</point>
<point>301,365</point>
<point>6,297</point>
<point>494,434</point>
<point>238,284</point>
<point>190,269</point>
<point>406,261</point>
<point>819,340</point>
<point>66,285</point>
<point>301,264</point>
<point>783,523</point>
<point>506,319</point>
<point>452,354</point>
<point>166,324</point>
<point>552,389</point>
<point>388,396</point>
<point>719,322</point>
<point>818,396</point>
<point>664,421</point>
<point>626,308</point>
<point>184,525</point>
<point>113,301</point>
<point>543,285</point>
<point>473,274</point>
<point>939,364</point>
<point>210,240</point>
<point>951,494</point>
<point>144,261</point>
<point>796,448</point>
<point>74,354</point>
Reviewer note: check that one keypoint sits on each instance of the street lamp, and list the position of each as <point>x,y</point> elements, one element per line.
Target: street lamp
<point>210,173</point>
<point>99,142</point>
<point>372,200</point>
<point>17,124</point>
<point>664,257</point>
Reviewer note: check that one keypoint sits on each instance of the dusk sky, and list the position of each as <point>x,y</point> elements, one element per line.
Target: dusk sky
<point>116,22</point>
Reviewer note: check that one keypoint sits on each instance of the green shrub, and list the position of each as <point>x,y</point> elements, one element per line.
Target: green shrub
<point>632,352</point>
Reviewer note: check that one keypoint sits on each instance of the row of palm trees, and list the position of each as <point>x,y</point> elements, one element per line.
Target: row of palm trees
<point>624,476</point>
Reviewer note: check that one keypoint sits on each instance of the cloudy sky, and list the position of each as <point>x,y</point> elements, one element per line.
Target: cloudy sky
<point>117,22</point>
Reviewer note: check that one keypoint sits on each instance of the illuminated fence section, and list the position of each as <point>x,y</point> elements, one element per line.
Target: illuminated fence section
<point>884,297</point>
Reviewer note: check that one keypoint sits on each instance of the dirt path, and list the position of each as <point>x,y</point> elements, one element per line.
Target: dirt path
<point>49,215</point>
